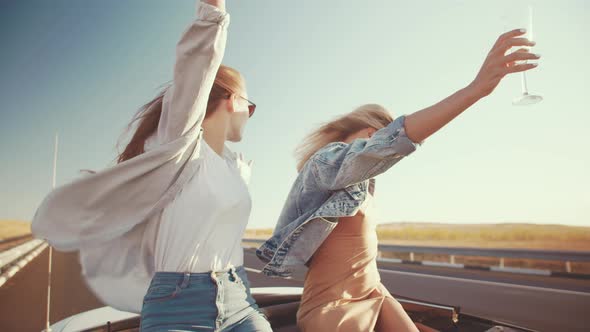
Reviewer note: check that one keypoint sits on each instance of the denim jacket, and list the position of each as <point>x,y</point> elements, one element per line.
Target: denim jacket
<point>333,183</point>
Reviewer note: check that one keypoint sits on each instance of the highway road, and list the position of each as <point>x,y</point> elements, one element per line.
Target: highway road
<point>538,302</point>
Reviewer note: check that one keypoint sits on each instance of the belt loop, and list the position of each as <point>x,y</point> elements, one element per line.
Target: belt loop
<point>185,280</point>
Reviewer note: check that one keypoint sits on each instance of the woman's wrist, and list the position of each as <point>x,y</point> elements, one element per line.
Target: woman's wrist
<point>472,92</point>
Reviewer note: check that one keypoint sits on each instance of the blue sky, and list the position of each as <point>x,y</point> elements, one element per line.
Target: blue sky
<point>83,68</point>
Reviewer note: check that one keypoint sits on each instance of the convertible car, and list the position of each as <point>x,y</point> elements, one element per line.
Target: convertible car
<point>280,305</point>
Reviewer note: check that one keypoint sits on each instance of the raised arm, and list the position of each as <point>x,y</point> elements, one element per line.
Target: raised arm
<point>423,123</point>
<point>339,165</point>
<point>198,56</point>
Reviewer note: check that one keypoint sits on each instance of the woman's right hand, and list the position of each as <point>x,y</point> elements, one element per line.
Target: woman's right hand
<point>497,64</point>
<point>217,3</point>
<point>420,125</point>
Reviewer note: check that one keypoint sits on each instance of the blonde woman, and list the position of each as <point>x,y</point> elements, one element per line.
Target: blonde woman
<point>160,232</point>
<point>327,221</point>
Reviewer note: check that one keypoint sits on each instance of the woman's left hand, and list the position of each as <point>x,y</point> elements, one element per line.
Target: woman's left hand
<point>497,64</point>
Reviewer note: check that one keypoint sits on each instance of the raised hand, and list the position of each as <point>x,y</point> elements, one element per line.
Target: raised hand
<point>497,64</point>
<point>217,3</point>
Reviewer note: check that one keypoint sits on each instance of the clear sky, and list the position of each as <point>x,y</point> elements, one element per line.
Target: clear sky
<point>82,68</point>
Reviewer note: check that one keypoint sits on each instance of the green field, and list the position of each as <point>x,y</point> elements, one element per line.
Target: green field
<point>503,235</point>
<point>529,236</point>
<point>506,235</point>
<point>11,228</point>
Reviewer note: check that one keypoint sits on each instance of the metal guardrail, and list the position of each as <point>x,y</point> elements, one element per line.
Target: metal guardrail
<point>12,255</point>
<point>550,255</point>
<point>16,258</point>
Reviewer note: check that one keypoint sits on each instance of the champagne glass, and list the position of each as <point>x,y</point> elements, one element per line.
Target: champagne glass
<point>525,97</point>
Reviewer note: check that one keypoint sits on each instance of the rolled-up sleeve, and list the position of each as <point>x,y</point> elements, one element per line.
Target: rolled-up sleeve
<point>339,165</point>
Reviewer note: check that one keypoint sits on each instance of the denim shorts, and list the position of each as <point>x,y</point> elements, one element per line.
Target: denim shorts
<point>212,301</point>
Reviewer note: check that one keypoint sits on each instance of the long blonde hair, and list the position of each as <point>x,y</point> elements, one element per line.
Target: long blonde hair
<point>369,115</point>
<point>227,81</point>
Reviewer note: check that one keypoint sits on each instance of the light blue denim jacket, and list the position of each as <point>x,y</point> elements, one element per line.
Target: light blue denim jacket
<point>333,183</point>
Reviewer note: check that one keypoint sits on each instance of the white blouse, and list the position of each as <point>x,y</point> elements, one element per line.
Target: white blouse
<point>201,229</point>
<point>114,216</point>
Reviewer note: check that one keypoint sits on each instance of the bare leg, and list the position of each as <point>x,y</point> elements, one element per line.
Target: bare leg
<point>393,317</point>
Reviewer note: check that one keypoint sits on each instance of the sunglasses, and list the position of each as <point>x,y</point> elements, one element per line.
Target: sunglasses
<point>251,107</point>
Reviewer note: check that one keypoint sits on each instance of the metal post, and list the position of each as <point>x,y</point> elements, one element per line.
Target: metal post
<point>47,324</point>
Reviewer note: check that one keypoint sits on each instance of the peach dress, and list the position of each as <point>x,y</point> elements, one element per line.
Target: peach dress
<point>343,289</point>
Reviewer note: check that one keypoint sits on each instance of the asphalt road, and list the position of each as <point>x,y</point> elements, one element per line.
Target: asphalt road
<point>542,303</point>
